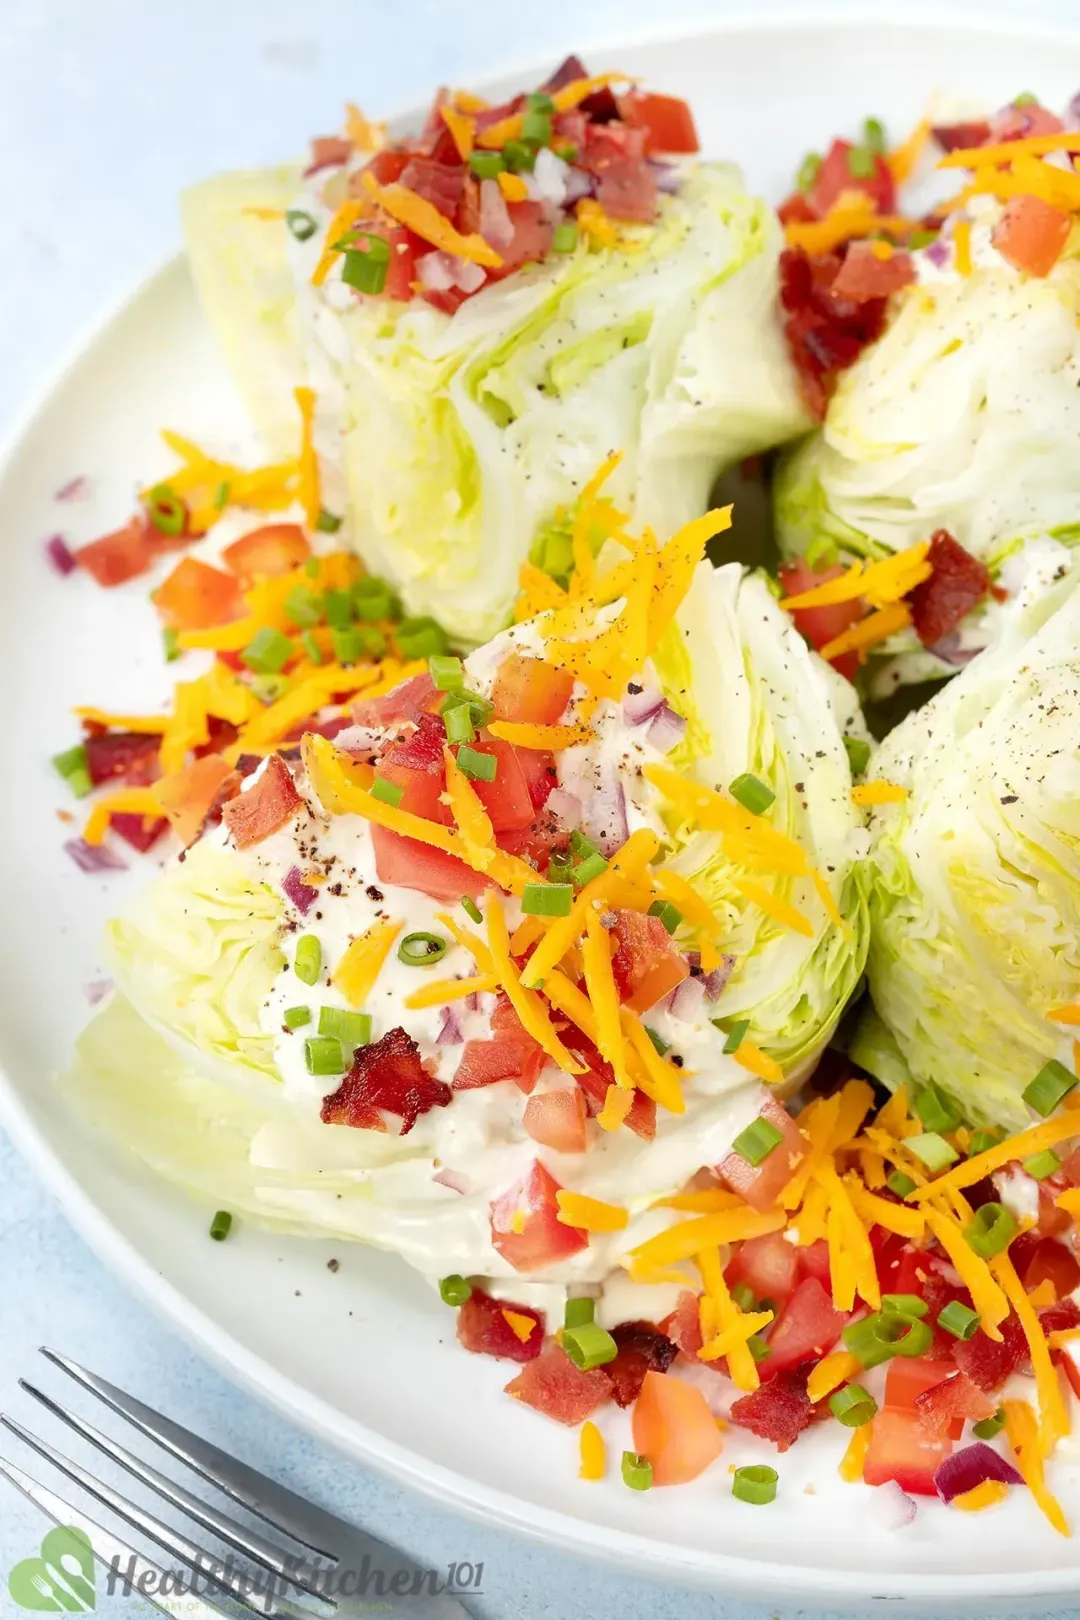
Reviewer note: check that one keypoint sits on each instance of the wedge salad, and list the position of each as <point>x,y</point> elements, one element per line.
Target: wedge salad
<point>536,901</point>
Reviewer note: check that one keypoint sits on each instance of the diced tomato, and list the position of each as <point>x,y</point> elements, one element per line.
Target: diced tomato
<point>273,550</point>
<point>647,964</point>
<point>386,166</point>
<point>864,274</point>
<point>1061,1317</point>
<point>405,248</point>
<point>989,1363</point>
<point>614,154</point>
<point>530,691</point>
<point>570,69</point>
<point>405,703</point>
<point>570,128</point>
<point>901,1449</point>
<point>327,152</point>
<point>820,625</point>
<point>1032,234</point>
<point>415,764</point>
<point>806,1329</point>
<point>265,807</point>
<point>598,1076</point>
<point>1018,121</point>
<point>961,137</point>
<point>531,241</point>
<point>541,776</point>
<point>673,1427</point>
<point>835,177</point>
<point>767,1265</point>
<point>506,798</point>
<point>814,1262</point>
<point>761,1185</point>
<point>440,184</point>
<point>415,865</point>
<point>389,1074</point>
<point>122,555</point>
<point>130,757</point>
<point>1053,1222</point>
<point>196,596</point>
<point>482,1327</point>
<point>525,1225</point>
<point>642,1348</point>
<point>683,1326</point>
<point>779,1411</point>
<point>553,1385</point>
<point>141,832</point>
<point>954,1400</point>
<point>795,210</point>
<point>958,583</point>
<point>556,1119</point>
<point>509,1054</point>
<point>536,843</point>
<point>667,121</point>
<point>824,334</point>
<point>1052,1262</point>
<point>188,796</point>
<point>908,1378</point>
<point>1069,1173</point>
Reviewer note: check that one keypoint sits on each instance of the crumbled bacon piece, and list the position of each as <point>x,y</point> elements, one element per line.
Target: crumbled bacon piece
<point>865,274</point>
<point>825,334</point>
<point>141,832</point>
<point>779,1411</point>
<point>388,1074</point>
<point>958,583</point>
<point>264,808</point>
<point>130,757</point>
<point>683,1326</point>
<point>961,137</point>
<point>553,1385</point>
<point>987,1362</point>
<point>328,151</point>
<point>642,1348</point>
<point>482,1327</point>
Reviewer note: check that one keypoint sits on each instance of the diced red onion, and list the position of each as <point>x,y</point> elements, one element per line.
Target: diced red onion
<point>469,277</point>
<point>665,729</point>
<point>894,1508</point>
<point>579,183</point>
<point>94,857</point>
<point>565,807</point>
<point>715,983</point>
<point>686,999</point>
<point>496,226</point>
<point>433,271</point>
<point>61,559</point>
<point>720,1395</point>
<point>302,895</point>
<point>966,1469</point>
<point>604,815</point>
<point>363,742</point>
<point>937,252</point>
<point>641,706</point>
<point>471,1002</point>
<point>76,489</point>
<point>449,1030</point>
<point>1071,119</point>
<point>97,990</point>
<point>950,650</point>
<point>550,176</point>
<point>666,176</point>
<point>454,1180</point>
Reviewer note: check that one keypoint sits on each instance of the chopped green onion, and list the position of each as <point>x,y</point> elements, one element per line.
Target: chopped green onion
<point>268,688</point>
<point>478,767</point>
<point>338,609</point>
<point>565,237</point>
<point>752,793</point>
<point>808,171</point>
<point>373,599</point>
<point>1050,1086</point>
<point>301,224</point>
<point>370,639</point>
<point>547,899</point>
<point>486,165</point>
<point>421,950</point>
<point>860,162</point>
<point>352,1029</point>
<point>567,151</point>
<point>852,1406</point>
<point>743,1295</point>
<point>539,101</point>
<point>420,638</point>
<point>303,607</point>
<point>757,1346</point>
<point>307,959</point>
<point>328,522</point>
<point>73,768</point>
<point>221,1226</point>
<point>636,1471</point>
<point>471,909</point>
<point>756,1484</point>
<point>904,1304</point>
<point>171,644</point>
<point>736,1035</point>
<point>920,239</point>
<point>582,844</point>
<point>757,1141</point>
<point>480,709</point>
<point>668,914</point>
<point>459,724</point>
<point>591,867</point>
<point>1041,1165</point>
<point>364,268</point>
<point>1026,98</point>
<point>932,1149</point>
<point>937,1111</point>
<point>858,753</point>
<point>350,643</point>
<point>311,647</point>
<point>901,1184</point>
<point>390,793</point>
<point>447,673</point>
<point>959,1320</point>
<point>982,1142</point>
<point>311,568</point>
<point>455,1289</point>
<point>988,1428</point>
<point>268,651</point>
<point>221,495</point>
<point>296,1017</point>
<point>167,511</point>
<point>323,1055</point>
<point>874,136</point>
<point>580,1311</point>
<point>661,1046</point>
<point>518,157</point>
<point>877,1338</point>
<point>536,128</point>
<point>991,1231</point>
<point>589,1345</point>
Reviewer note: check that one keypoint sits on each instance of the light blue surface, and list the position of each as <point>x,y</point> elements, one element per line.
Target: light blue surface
<point>108,107</point>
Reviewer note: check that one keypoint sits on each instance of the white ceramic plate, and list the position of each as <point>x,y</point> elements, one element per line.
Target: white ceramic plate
<point>366,1358</point>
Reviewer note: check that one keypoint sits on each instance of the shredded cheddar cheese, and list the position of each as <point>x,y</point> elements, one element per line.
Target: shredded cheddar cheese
<point>604,995</point>
<point>590,1214</point>
<point>981,1497</point>
<point>755,1061</point>
<point>462,129</point>
<point>520,1325</point>
<point>1008,151</point>
<point>986,1293</point>
<point>878,583</point>
<point>1036,1140</point>
<point>772,904</point>
<point>593,1452</point>
<point>357,971</point>
<point>962,244</point>
<point>443,991</point>
<point>729,1319</point>
<point>688,1238</point>
<point>552,738</point>
<point>854,1459</point>
<point>1023,1434</point>
<point>829,1374</point>
<point>869,632</point>
<point>617,1105</point>
<point>531,1010</point>
<point>512,186</point>
<point>867,794</point>
<point>131,801</point>
<point>424,218</point>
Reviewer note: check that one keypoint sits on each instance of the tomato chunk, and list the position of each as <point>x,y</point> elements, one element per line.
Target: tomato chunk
<point>531,241</point>
<point>901,1449</point>
<point>556,1119</point>
<point>864,274</point>
<point>130,757</point>
<point>954,1400</point>
<point>415,865</point>
<point>1032,235</point>
<point>506,798</point>
<point>667,121</point>
<point>196,596</point>
<point>415,764</point>
<point>909,1378</point>
<point>647,964</point>
<point>820,625</point>
<point>598,1076</point>
<point>269,804</point>
<point>1052,1262</point>
<point>525,1225</point>
<point>807,1328</point>
<point>554,1386</point>
<point>762,1184</point>
<point>122,555</point>
<point>510,1054</point>
<point>673,1427</point>
<point>836,176</point>
<point>272,550</point>
<point>530,691</point>
<point>767,1265</point>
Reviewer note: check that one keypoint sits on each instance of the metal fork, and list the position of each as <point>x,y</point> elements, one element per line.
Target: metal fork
<point>340,1569</point>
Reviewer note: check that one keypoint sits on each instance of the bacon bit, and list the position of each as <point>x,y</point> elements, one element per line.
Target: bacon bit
<point>188,797</point>
<point>642,1348</point>
<point>124,554</point>
<point>390,1075</point>
<point>264,808</point>
<point>130,757</point>
<point>327,152</point>
<point>553,1385</point>
<point>425,219</point>
<point>824,336</point>
<point>593,1452</point>
<point>779,1411</point>
<point>961,137</point>
<point>867,273</point>
<point>957,583</point>
<point>482,1327</point>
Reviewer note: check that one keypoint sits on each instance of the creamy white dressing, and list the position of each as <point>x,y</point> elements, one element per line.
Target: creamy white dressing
<point>1019,1193</point>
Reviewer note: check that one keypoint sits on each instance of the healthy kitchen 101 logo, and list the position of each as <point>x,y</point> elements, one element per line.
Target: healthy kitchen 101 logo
<point>60,1580</point>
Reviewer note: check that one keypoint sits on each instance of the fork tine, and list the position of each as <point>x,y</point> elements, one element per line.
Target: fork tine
<point>229,1580</point>
<point>272,1502</point>
<point>237,1535</point>
<point>109,1551</point>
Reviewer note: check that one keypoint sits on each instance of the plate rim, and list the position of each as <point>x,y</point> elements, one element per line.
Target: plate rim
<point>619,1550</point>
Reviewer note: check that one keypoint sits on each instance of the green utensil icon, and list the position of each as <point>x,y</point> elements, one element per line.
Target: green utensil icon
<point>61,1580</point>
